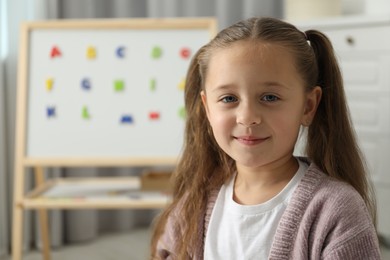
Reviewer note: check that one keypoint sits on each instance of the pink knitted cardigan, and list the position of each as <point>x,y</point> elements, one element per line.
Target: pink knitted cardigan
<point>325,219</point>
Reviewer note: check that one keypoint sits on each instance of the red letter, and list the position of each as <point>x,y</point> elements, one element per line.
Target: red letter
<point>55,52</point>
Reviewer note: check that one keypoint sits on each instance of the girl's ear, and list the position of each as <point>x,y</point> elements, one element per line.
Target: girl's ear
<point>313,99</point>
<point>204,101</point>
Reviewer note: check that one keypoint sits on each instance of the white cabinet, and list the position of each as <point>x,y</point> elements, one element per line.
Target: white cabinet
<point>362,45</point>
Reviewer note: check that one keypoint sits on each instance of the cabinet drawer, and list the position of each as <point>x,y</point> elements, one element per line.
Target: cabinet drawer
<point>360,39</point>
<point>370,112</point>
<point>365,71</point>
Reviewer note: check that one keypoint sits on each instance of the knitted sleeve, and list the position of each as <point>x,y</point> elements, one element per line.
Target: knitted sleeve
<point>351,234</point>
<point>166,243</point>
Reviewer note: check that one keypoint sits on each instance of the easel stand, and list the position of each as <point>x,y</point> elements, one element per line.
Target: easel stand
<point>135,119</point>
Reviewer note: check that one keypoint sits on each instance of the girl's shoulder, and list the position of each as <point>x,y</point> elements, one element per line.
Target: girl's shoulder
<point>327,188</point>
<point>337,215</point>
<point>335,200</point>
<point>329,218</point>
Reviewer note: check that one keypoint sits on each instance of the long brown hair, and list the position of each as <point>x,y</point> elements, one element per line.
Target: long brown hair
<point>331,141</point>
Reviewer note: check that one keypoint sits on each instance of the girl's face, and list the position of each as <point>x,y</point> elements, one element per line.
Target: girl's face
<point>255,102</point>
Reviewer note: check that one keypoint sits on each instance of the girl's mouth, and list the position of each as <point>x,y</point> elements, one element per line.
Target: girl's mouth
<point>250,140</point>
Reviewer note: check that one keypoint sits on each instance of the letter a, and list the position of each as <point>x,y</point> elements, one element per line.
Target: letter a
<point>55,52</point>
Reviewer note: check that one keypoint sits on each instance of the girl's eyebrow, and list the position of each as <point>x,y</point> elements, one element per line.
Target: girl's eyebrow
<point>267,84</point>
<point>222,87</point>
<point>274,84</point>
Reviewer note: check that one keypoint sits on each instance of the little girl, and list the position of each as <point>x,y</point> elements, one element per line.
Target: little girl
<point>239,192</point>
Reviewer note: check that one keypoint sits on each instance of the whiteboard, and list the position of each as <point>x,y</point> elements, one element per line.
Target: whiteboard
<point>108,92</point>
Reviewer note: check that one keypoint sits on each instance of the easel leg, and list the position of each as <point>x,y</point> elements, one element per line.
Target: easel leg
<point>43,218</point>
<point>18,212</point>
<point>43,223</point>
<point>17,232</point>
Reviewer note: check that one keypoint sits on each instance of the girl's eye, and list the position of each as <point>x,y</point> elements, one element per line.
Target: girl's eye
<point>229,99</point>
<point>270,98</point>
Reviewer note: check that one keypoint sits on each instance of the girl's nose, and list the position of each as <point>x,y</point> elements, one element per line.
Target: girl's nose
<point>248,115</point>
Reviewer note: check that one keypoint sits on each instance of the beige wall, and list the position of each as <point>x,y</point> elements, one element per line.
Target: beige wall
<point>300,10</point>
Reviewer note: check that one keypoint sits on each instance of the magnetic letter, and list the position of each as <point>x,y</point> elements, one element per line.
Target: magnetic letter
<point>49,84</point>
<point>85,113</point>
<point>185,53</point>
<point>91,53</point>
<point>86,84</point>
<point>120,52</point>
<point>119,85</point>
<point>55,52</point>
<point>182,112</point>
<point>51,112</point>
<point>182,84</point>
<point>127,119</point>
<point>152,85</point>
<point>154,115</point>
<point>156,52</point>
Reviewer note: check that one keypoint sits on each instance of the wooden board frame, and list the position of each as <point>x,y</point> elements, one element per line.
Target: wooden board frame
<point>32,201</point>
<point>22,95</point>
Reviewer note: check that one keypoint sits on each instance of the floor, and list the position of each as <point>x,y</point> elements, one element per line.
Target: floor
<point>132,245</point>
<point>385,251</point>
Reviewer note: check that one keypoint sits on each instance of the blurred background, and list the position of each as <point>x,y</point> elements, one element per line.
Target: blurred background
<point>69,228</point>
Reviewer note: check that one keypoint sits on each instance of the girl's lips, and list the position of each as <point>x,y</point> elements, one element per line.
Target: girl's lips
<point>250,140</point>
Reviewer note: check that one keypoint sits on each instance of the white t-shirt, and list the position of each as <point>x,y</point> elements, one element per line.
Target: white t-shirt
<point>246,231</point>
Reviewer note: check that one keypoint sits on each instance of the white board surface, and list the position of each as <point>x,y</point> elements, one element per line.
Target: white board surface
<point>107,92</point>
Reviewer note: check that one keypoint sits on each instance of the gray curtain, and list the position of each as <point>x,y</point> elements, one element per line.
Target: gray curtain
<point>3,160</point>
<point>82,225</point>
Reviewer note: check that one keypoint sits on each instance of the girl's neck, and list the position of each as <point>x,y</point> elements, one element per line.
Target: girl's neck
<point>257,185</point>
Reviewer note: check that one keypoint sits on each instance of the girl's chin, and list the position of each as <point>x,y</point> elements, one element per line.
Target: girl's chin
<point>250,164</point>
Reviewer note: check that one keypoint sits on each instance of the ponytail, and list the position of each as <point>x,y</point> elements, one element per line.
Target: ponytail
<point>331,141</point>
